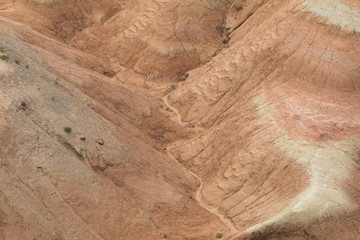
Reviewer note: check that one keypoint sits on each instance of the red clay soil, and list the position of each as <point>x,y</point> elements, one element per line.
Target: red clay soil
<point>179,119</point>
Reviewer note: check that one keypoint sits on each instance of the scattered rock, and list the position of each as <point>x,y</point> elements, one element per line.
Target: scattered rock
<point>108,73</point>
<point>171,87</point>
<point>82,138</point>
<point>100,141</point>
<point>183,77</point>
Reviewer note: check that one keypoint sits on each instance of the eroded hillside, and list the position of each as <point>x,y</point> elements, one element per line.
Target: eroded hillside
<point>179,119</point>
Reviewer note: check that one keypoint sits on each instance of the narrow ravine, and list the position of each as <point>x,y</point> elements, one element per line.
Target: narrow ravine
<point>198,197</point>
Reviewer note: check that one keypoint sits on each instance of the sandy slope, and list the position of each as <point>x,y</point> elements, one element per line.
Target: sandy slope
<point>261,141</point>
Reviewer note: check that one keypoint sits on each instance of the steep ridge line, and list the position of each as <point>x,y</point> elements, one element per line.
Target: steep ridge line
<point>328,163</point>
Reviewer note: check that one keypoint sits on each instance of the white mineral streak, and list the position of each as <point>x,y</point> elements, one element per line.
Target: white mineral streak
<point>335,12</point>
<point>326,162</point>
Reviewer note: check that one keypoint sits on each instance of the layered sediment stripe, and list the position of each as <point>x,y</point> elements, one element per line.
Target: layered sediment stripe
<point>336,12</point>
<point>328,163</point>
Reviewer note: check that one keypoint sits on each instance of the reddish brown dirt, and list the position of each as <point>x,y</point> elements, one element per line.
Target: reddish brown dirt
<point>260,140</point>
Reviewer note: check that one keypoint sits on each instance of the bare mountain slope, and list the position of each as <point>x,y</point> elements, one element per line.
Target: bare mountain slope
<point>259,140</point>
<point>286,95</point>
<point>97,182</point>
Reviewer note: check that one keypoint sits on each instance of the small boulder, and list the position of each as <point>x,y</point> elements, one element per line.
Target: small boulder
<point>100,141</point>
<point>171,87</point>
